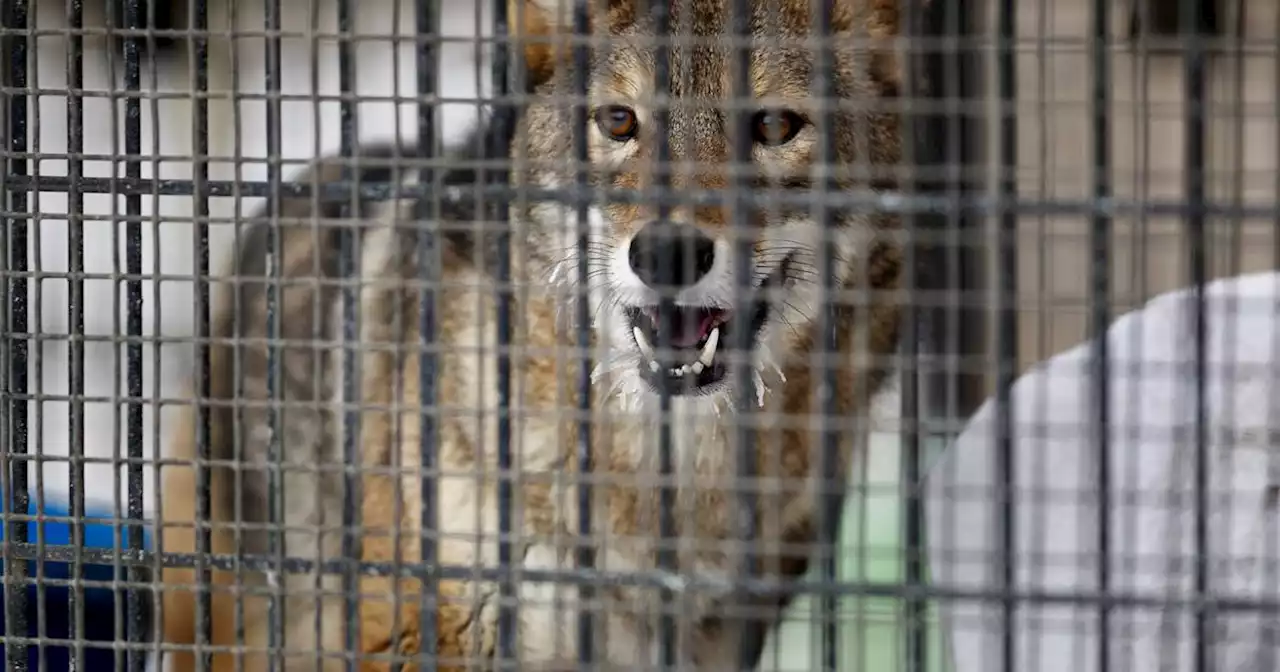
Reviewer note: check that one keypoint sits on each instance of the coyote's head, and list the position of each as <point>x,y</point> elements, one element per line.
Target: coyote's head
<point>640,251</point>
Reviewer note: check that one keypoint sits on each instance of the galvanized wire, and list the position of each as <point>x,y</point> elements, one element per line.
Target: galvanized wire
<point>16,497</point>
<point>962,298</point>
<point>135,625</point>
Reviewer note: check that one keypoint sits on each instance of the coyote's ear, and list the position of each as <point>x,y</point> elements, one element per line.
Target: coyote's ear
<point>533,27</point>
<point>559,13</point>
<point>545,26</point>
<point>876,23</point>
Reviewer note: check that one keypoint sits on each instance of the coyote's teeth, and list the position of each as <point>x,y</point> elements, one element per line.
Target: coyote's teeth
<point>709,350</point>
<point>705,357</point>
<point>643,343</point>
<point>686,370</point>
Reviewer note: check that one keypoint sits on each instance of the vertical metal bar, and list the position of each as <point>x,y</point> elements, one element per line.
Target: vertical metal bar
<point>966,135</point>
<point>1194,187</point>
<point>16,500</point>
<point>745,401</point>
<point>200,197</point>
<point>961,337</point>
<point>349,272</point>
<point>915,610</point>
<point>921,133</point>
<point>497,149</point>
<point>829,498</point>
<point>157,559</point>
<point>1235,51</point>
<point>135,627</point>
<point>237,412</point>
<point>585,558</point>
<point>427,20</point>
<point>660,11</point>
<point>275,454</point>
<point>156,453</point>
<point>75,319</point>
<point>1006,316</point>
<point>1100,239</point>
<point>1140,257</point>
<point>321,314</point>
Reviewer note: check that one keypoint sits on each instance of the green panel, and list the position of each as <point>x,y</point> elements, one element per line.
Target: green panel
<point>872,634</point>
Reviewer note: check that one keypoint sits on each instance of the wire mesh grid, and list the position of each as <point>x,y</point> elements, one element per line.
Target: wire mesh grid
<point>790,335</point>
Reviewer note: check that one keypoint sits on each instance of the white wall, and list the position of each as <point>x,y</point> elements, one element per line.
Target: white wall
<point>237,130</point>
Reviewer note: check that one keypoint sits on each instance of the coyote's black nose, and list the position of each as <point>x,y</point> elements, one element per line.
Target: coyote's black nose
<point>671,256</point>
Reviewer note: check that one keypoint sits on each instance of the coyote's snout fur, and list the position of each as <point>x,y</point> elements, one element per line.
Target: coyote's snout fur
<point>636,256</point>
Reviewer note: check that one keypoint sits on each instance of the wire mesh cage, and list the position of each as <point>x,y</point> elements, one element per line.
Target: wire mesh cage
<point>911,335</point>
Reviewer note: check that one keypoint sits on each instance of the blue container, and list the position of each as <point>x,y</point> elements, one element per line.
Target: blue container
<point>104,608</point>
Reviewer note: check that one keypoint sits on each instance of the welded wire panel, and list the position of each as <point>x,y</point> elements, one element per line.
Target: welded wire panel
<point>666,334</point>
<point>1129,371</point>
<point>400,341</point>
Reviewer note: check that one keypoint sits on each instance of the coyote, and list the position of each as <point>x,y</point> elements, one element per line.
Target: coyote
<point>637,254</point>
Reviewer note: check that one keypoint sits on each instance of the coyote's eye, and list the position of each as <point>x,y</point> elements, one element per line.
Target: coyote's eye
<point>772,129</point>
<point>617,122</point>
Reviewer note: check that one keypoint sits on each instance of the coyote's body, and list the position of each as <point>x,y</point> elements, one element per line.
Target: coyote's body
<point>631,261</point>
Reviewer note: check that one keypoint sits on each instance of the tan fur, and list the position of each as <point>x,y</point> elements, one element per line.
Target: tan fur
<point>301,321</point>
<point>541,49</point>
<point>298,307</point>
<point>545,370</point>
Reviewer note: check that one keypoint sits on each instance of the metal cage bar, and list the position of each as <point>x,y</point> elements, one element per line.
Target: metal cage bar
<point>943,143</point>
<point>276,545</point>
<point>585,555</point>
<point>667,560</point>
<point>743,370</point>
<point>16,499</point>
<point>916,136</point>
<point>427,20</point>
<point>923,342</point>
<point>654,580</point>
<point>945,211</point>
<point>830,498</point>
<point>1006,283</point>
<point>135,631</point>
<point>350,271</point>
<point>963,135</point>
<point>1100,235</point>
<point>199,47</point>
<point>497,215</point>
<point>1194,176</point>
<point>1271,538</point>
<point>960,206</point>
<point>75,318</point>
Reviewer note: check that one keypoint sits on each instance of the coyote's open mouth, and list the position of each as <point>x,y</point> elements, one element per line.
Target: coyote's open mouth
<point>698,336</point>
